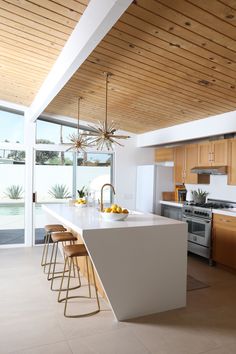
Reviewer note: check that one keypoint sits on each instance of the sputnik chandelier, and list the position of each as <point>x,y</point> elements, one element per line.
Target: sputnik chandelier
<point>103,134</point>
<point>79,140</point>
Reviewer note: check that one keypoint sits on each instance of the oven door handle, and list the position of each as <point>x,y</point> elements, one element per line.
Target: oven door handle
<point>201,221</point>
<point>198,220</point>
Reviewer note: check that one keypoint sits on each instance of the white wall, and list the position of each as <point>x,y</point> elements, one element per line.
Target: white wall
<point>217,189</point>
<point>127,159</point>
<point>48,176</point>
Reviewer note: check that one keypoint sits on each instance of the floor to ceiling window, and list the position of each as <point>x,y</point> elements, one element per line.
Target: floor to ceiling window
<point>12,179</point>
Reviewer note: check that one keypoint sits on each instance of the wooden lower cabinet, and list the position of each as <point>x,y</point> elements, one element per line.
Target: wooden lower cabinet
<point>224,240</point>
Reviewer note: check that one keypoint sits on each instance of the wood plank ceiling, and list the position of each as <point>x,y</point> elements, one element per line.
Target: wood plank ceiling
<point>172,61</point>
<point>32,34</point>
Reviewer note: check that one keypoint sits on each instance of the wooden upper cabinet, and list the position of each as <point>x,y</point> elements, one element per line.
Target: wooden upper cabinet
<point>213,153</point>
<point>191,160</point>
<point>232,162</point>
<point>185,158</point>
<point>164,154</point>
<point>179,165</point>
<point>204,154</point>
<point>219,153</point>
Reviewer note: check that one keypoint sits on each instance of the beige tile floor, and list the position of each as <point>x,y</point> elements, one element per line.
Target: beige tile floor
<point>32,322</point>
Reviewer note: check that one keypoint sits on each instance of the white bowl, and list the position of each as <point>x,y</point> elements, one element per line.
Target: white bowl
<point>114,216</point>
<point>80,205</point>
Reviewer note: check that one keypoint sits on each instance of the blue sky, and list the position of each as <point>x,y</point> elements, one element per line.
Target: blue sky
<point>12,129</point>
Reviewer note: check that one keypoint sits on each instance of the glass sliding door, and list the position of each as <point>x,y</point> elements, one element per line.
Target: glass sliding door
<point>93,170</point>
<point>53,183</point>
<point>12,180</point>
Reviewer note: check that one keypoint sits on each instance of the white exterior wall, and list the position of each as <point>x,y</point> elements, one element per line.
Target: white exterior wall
<point>48,176</point>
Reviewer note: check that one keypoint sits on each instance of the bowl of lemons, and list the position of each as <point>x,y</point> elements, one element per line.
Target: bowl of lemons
<point>80,203</point>
<point>114,213</point>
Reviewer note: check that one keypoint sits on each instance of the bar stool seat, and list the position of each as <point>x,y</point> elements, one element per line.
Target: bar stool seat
<point>54,228</point>
<point>78,250</point>
<point>71,253</point>
<point>63,237</point>
<point>48,230</point>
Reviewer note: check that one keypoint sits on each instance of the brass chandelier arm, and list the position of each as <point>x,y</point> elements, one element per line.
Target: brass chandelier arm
<point>79,141</point>
<point>103,134</point>
<point>78,111</point>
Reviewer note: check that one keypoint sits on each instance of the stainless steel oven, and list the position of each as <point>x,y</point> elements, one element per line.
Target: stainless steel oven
<point>199,230</point>
<point>199,219</point>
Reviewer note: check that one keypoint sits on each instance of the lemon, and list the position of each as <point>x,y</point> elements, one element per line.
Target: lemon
<point>107,210</point>
<point>119,209</point>
<point>125,211</point>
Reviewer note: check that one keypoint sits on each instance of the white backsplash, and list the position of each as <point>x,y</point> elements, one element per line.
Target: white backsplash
<point>217,189</point>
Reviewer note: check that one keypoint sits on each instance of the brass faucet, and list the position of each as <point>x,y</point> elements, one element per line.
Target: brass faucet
<point>113,189</point>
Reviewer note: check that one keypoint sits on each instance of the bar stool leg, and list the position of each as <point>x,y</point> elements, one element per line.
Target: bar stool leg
<point>54,266</point>
<point>67,297</point>
<point>78,268</point>
<point>95,286</point>
<point>62,280</point>
<point>89,286</point>
<point>50,264</point>
<point>43,260</point>
<point>53,274</point>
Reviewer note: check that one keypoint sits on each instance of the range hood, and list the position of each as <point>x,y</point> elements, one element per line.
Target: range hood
<point>210,170</point>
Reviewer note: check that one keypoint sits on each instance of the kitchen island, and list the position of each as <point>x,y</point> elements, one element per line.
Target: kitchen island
<point>141,262</point>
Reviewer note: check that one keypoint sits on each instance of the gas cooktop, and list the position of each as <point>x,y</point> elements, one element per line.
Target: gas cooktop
<point>210,205</point>
<point>213,204</point>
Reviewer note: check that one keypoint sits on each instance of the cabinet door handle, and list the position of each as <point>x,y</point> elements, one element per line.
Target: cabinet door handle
<point>209,156</point>
<point>212,157</point>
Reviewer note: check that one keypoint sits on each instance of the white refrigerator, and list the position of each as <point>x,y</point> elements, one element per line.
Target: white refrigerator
<point>152,180</point>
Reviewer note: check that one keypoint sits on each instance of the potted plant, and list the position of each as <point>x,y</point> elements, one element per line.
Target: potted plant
<point>82,195</point>
<point>199,196</point>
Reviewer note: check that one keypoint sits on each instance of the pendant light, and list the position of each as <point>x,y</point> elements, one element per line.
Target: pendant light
<point>79,141</point>
<point>103,134</point>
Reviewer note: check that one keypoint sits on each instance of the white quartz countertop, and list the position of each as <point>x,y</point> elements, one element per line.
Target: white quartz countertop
<point>172,203</point>
<point>89,218</point>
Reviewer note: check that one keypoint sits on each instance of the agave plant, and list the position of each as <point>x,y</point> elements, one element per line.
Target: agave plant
<point>199,196</point>
<point>59,191</point>
<point>14,192</point>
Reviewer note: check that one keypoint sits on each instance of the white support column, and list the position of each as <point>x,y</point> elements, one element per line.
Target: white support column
<point>96,21</point>
<point>29,168</point>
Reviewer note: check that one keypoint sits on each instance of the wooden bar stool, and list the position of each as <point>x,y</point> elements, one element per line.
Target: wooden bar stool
<point>57,237</point>
<point>48,230</point>
<point>71,254</point>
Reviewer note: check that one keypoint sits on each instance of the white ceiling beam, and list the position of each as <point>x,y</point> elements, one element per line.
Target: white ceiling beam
<point>94,24</point>
<point>220,124</point>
